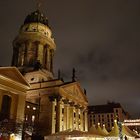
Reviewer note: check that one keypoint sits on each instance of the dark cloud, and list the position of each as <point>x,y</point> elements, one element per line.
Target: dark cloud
<point>100,38</point>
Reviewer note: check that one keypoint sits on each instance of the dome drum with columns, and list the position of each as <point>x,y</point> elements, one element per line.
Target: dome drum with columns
<point>34,46</point>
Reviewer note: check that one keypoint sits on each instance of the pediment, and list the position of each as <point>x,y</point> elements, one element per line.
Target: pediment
<point>75,92</point>
<point>13,74</point>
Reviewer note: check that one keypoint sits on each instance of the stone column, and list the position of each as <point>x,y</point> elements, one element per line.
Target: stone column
<point>86,121</point>
<point>51,60</point>
<point>29,55</point>
<point>52,113</point>
<point>20,108</point>
<point>81,119</point>
<point>71,116</point>
<point>45,57</point>
<point>66,114</point>
<point>48,58</point>
<point>77,117</point>
<point>59,114</point>
<point>40,53</point>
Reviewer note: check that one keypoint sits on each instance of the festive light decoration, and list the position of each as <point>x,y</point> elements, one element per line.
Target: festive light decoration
<point>135,122</point>
<point>128,121</point>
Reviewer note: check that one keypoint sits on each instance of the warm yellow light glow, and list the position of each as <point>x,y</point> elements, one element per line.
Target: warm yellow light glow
<point>12,136</point>
<point>77,138</point>
<point>132,124</point>
<point>28,106</point>
<point>34,108</point>
<point>115,121</point>
<point>136,120</point>
<point>18,137</point>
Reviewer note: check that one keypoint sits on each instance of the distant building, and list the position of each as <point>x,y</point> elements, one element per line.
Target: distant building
<point>105,114</point>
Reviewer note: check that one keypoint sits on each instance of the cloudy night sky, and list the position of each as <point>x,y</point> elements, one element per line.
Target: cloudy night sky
<point>100,38</point>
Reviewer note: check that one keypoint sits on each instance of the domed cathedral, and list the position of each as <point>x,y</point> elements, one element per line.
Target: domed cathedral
<point>52,105</point>
<point>34,47</point>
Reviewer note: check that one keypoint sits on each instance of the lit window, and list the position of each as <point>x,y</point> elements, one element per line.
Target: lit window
<point>34,108</point>
<point>33,118</point>
<point>28,106</point>
<point>26,117</point>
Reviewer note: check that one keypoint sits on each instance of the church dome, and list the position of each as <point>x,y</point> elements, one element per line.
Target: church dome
<point>36,17</point>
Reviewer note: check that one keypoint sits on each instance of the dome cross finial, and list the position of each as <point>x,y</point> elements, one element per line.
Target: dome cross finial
<point>39,3</point>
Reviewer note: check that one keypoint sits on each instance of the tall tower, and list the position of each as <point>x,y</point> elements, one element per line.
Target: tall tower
<point>33,48</point>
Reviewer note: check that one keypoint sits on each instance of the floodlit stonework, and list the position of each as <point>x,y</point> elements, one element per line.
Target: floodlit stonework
<point>13,87</point>
<point>60,105</point>
<point>41,105</point>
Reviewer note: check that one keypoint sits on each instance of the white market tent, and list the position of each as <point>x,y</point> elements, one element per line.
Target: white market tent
<point>126,132</point>
<point>104,130</point>
<point>94,134</point>
<point>73,135</point>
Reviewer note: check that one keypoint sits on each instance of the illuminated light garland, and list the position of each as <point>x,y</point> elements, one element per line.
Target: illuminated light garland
<point>134,121</point>
<point>132,124</point>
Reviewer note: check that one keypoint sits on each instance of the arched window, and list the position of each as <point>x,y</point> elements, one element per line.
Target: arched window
<point>5,108</point>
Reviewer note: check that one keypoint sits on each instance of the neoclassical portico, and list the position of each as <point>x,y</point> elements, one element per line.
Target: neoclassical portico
<point>63,105</point>
<point>67,115</point>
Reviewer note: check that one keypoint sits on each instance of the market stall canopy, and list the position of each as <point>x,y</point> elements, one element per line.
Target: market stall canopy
<point>104,130</point>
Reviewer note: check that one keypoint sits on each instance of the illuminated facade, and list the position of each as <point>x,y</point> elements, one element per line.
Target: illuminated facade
<point>12,94</point>
<point>61,105</point>
<point>48,105</point>
<point>105,114</point>
<point>13,89</point>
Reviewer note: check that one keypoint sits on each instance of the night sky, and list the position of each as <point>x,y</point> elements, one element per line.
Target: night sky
<point>100,38</point>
